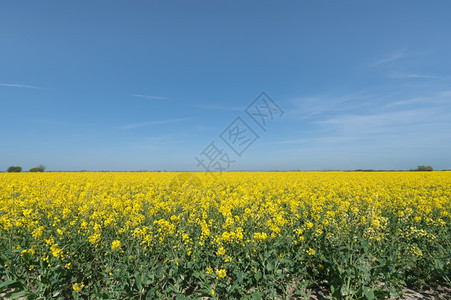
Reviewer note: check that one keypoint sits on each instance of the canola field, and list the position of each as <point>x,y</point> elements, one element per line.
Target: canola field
<point>237,235</point>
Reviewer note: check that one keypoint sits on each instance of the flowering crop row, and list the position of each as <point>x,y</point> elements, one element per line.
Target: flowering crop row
<point>235,235</point>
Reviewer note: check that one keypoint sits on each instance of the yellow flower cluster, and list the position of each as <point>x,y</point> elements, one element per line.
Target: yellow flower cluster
<point>51,216</point>
<point>115,245</point>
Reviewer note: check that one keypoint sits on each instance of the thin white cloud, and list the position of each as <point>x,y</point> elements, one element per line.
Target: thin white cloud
<point>409,76</point>
<point>380,140</point>
<point>389,129</point>
<point>291,141</point>
<point>309,107</point>
<point>60,123</point>
<point>391,58</point>
<point>24,86</point>
<point>445,94</point>
<point>386,120</point>
<point>205,128</point>
<point>389,123</point>
<point>407,102</point>
<point>219,107</point>
<point>160,122</point>
<point>159,143</point>
<point>149,97</point>
<point>441,100</point>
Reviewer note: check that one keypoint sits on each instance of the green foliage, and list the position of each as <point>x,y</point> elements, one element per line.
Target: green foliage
<point>423,168</point>
<point>39,168</point>
<point>14,169</point>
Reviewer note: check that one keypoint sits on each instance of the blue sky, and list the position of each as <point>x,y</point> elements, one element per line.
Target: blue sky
<point>148,85</point>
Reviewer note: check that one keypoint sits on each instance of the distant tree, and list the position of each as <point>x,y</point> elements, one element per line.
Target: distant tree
<point>14,169</point>
<point>39,168</point>
<point>424,168</point>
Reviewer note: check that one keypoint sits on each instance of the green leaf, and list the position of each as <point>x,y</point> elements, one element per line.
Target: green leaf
<point>150,294</point>
<point>393,293</point>
<point>439,263</point>
<point>240,277</point>
<point>7,283</point>
<point>16,294</point>
<point>369,293</point>
<point>258,275</point>
<point>256,295</point>
<point>179,297</point>
<point>269,267</point>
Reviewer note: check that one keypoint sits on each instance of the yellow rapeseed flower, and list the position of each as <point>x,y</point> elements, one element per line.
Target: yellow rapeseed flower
<point>77,286</point>
<point>221,273</point>
<point>115,245</point>
<point>221,251</point>
<point>310,251</point>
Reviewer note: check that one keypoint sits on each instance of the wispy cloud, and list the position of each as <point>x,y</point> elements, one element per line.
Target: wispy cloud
<point>390,58</point>
<point>409,76</point>
<point>310,107</point>
<point>219,107</point>
<point>420,119</point>
<point>159,143</point>
<point>24,86</point>
<point>406,102</point>
<point>160,122</point>
<point>149,97</point>
<point>386,140</point>
<point>380,122</point>
<point>291,141</point>
<point>440,100</point>
<point>383,124</point>
<point>60,123</point>
<point>205,128</point>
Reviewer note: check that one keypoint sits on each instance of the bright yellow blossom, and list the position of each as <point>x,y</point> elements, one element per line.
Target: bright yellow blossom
<point>115,245</point>
<point>221,273</point>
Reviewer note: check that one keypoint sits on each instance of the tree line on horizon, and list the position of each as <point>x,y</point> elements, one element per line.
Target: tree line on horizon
<point>17,169</point>
<point>41,168</point>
